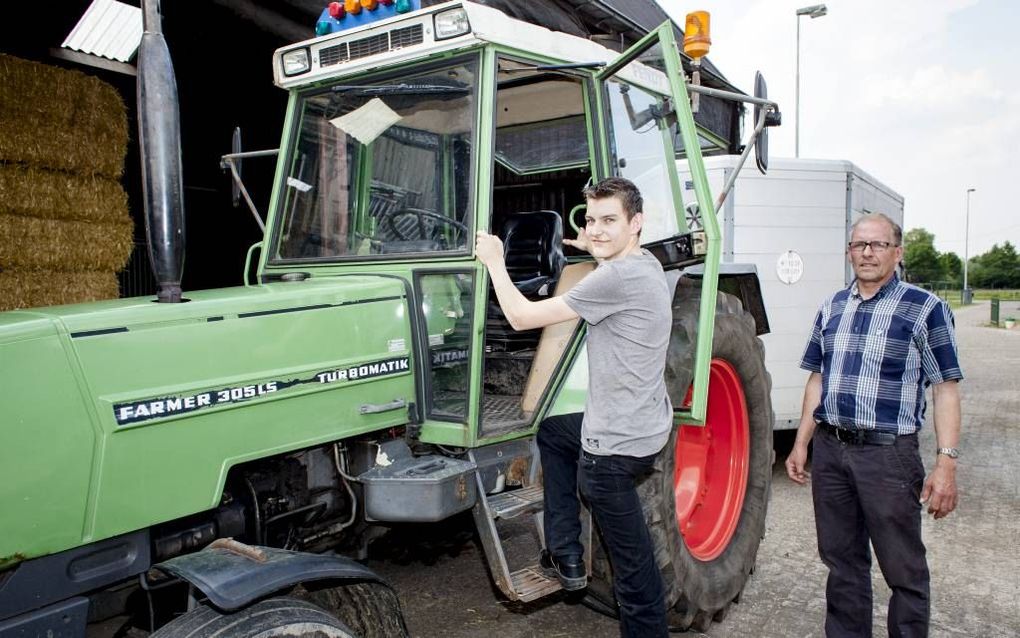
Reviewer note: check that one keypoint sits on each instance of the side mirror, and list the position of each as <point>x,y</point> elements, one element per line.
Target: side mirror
<point>772,118</point>
<point>761,145</point>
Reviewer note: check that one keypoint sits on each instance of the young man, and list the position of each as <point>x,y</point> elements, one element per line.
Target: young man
<point>627,417</point>
<point>875,347</point>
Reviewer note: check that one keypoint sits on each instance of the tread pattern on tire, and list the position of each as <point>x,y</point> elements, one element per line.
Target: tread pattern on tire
<point>270,617</point>
<point>371,610</point>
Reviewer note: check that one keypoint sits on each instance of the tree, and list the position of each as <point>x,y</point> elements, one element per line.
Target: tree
<point>997,268</point>
<point>952,268</point>
<point>920,259</point>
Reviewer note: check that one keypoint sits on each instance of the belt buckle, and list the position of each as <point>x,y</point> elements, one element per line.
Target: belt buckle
<point>849,437</point>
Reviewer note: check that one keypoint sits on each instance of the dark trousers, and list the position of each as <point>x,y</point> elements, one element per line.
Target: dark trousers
<point>864,492</point>
<point>608,484</point>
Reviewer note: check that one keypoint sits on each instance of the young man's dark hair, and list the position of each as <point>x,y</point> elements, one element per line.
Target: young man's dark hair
<point>618,187</point>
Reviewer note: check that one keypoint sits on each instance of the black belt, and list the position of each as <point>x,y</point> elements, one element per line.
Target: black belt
<point>858,437</point>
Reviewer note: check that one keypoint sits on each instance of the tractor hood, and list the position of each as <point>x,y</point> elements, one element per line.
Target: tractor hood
<point>123,414</point>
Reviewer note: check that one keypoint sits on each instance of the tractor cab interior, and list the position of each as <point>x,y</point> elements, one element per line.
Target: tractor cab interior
<point>541,164</point>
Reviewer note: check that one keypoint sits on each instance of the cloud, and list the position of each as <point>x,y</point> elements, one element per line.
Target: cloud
<point>920,94</point>
<point>930,88</point>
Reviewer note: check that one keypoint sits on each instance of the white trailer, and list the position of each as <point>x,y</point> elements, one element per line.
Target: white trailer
<point>793,225</point>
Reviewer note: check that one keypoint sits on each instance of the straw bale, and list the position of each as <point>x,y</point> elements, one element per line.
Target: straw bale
<point>63,97</point>
<point>36,192</point>
<point>46,145</point>
<point>60,119</point>
<point>30,289</point>
<point>51,244</point>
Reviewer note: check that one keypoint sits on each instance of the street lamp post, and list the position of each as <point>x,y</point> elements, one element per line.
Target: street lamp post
<point>965,296</point>
<point>814,11</point>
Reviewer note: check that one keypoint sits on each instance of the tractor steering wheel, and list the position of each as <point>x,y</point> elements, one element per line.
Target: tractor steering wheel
<point>388,219</point>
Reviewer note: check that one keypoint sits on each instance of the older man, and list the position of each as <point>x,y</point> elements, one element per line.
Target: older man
<point>874,349</point>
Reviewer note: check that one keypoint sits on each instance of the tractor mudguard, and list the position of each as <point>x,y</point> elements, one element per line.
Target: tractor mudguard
<point>233,575</point>
<point>741,281</point>
<point>49,579</point>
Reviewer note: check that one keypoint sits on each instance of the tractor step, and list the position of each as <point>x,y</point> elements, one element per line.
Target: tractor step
<point>516,502</point>
<point>531,583</point>
<point>503,533</point>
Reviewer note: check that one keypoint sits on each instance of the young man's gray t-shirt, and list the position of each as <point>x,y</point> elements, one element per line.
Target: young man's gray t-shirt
<point>626,303</point>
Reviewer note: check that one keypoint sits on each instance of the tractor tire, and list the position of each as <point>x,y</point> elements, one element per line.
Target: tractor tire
<point>371,610</point>
<point>706,553</point>
<point>271,618</point>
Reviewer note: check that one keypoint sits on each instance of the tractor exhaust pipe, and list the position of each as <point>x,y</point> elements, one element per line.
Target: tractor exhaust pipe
<point>159,136</point>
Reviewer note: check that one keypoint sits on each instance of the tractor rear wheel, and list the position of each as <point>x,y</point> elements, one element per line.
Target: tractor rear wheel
<point>706,499</point>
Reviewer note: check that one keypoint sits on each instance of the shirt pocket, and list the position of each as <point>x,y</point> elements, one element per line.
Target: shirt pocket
<point>888,348</point>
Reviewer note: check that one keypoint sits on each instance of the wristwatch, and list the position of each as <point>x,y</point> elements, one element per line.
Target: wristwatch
<point>951,452</point>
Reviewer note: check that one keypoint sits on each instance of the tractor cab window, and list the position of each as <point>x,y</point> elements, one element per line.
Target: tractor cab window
<point>642,126</point>
<point>382,168</point>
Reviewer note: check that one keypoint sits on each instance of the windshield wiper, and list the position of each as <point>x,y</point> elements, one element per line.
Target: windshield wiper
<point>399,89</point>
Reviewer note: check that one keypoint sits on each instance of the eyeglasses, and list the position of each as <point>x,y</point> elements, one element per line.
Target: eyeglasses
<point>876,246</point>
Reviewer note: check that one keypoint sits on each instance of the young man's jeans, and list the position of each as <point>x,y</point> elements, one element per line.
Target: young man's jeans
<point>608,484</point>
<point>862,493</point>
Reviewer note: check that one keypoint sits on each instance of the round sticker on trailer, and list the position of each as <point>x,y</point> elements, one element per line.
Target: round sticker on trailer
<point>790,267</point>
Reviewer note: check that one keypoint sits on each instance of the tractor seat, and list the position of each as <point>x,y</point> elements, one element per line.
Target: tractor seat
<point>533,250</point>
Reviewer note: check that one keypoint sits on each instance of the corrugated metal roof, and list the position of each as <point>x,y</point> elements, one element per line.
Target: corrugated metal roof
<point>109,29</point>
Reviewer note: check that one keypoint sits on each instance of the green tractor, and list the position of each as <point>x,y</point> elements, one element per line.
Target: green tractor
<point>217,462</point>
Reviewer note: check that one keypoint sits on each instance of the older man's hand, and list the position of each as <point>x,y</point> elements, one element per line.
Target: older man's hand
<point>796,464</point>
<point>939,491</point>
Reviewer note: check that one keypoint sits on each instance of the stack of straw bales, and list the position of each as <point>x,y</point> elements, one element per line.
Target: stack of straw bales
<point>65,230</point>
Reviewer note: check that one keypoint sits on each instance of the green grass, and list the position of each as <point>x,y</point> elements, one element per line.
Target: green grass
<point>952,296</point>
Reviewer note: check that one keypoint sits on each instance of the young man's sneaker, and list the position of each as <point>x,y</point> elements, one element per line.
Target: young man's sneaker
<point>569,570</point>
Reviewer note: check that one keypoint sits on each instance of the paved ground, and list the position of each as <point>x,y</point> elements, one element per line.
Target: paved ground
<point>974,553</point>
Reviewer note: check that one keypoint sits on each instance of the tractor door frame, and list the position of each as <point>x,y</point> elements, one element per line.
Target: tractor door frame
<point>628,70</point>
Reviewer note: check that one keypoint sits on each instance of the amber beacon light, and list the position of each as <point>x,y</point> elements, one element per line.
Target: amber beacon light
<point>697,34</point>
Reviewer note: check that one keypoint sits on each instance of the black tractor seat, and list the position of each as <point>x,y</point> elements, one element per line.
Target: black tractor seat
<point>533,251</point>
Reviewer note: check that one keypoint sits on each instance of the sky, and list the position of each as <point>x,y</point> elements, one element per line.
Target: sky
<point>922,94</point>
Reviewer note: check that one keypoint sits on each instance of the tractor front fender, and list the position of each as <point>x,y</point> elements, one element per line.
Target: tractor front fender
<point>741,281</point>
<point>233,575</point>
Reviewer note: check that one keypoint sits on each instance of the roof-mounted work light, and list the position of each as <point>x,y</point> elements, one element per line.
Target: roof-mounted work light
<point>451,23</point>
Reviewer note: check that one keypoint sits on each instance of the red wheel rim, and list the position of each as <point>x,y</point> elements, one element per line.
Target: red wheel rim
<point>710,478</point>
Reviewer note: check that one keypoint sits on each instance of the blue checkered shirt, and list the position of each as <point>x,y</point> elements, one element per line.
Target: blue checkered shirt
<point>878,355</point>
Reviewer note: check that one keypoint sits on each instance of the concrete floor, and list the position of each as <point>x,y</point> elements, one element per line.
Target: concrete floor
<point>974,554</point>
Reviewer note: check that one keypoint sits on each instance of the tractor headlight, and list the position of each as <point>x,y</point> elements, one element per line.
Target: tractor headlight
<point>295,62</point>
<point>451,23</point>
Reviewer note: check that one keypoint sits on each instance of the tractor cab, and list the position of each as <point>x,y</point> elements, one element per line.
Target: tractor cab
<point>392,161</point>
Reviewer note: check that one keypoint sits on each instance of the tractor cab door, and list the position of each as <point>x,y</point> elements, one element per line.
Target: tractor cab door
<point>645,116</point>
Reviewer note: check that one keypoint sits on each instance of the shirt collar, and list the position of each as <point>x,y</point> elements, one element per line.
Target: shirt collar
<point>884,290</point>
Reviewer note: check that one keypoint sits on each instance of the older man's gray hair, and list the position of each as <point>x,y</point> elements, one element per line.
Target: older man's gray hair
<point>897,231</point>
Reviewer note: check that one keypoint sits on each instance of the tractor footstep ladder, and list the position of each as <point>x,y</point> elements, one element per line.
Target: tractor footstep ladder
<point>530,582</point>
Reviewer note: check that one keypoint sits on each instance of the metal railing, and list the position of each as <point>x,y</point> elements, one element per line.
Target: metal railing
<point>137,280</point>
